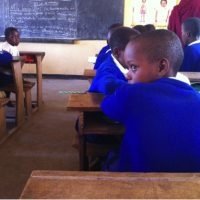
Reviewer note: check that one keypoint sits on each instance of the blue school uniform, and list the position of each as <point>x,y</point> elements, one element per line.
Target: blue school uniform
<point>6,77</point>
<point>108,77</point>
<point>162,126</point>
<point>191,61</point>
<point>103,54</point>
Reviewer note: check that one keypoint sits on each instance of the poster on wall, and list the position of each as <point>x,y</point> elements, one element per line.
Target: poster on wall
<point>155,12</point>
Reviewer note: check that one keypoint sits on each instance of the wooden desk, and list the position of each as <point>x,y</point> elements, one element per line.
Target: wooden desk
<point>85,102</point>
<point>193,76</point>
<point>90,122</point>
<point>3,102</point>
<point>35,58</point>
<point>89,73</point>
<point>105,185</point>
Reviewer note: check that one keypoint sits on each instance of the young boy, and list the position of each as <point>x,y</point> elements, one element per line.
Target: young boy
<point>106,51</point>
<point>160,113</point>
<point>12,38</point>
<point>191,41</point>
<point>112,72</point>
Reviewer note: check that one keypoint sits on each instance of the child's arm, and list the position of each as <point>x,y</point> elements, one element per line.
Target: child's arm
<point>106,81</point>
<point>109,84</point>
<point>114,106</point>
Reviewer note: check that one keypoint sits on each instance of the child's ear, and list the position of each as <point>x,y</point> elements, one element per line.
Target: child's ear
<point>163,68</point>
<point>116,52</point>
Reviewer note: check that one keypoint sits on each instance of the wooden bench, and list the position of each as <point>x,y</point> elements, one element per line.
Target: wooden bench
<point>20,89</point>
<point>105,185</point>
<point>88,105</point>
<point>3,130</point>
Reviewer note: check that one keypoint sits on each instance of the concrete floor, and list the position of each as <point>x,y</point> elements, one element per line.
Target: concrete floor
<point>44,142</point>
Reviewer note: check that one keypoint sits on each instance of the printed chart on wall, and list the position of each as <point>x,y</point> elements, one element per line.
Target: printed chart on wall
<point>152,12</point>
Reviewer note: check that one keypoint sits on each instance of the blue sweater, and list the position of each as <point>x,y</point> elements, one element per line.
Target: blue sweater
<point>191,61</point>
<point>6,76</point>
<point>108,77</point>
<point>162,121</point>
<point>105,51</point>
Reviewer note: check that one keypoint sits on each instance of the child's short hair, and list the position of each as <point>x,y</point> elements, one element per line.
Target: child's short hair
<point>140,28</point>
<point>150,27</point>
<point>113,26</point>
<point>121,36</point>
<point>160,44</point>
<point>192,26</point>
<point>9,30</point>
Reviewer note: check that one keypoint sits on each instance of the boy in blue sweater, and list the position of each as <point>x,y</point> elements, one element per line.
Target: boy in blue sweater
<point>112,72</point>
<point>160,113</point>
<point>106,51</point>
<point>191,41</point>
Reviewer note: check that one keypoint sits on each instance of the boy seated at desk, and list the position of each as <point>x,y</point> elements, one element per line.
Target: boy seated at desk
<point>12,37</point>
<point>106,51</point>
<point>191,42</point>
<point>112,72</point>
<point>160,113</point>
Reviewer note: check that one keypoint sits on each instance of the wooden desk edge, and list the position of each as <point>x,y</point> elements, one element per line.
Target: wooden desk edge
<point>84,107</point>
<point>117,175</point>
<point>123,178</point>
<point>33,53</point>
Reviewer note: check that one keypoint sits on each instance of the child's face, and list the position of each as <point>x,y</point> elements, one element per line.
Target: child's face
<point>140,69</point>
<point>14,38</point>
<point>163,3</point>
<point>184,36</point>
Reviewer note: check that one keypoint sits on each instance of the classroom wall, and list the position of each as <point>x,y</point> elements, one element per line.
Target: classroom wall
<point>70,59</point>
<point>67,59</point>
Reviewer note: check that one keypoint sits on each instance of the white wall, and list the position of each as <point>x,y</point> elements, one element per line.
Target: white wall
<point>68,59</point>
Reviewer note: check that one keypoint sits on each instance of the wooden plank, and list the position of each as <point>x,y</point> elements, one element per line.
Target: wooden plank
<point>32,53</point>
<point>105,185</point>
<point>17,73</point>
<point>84,102</point>
<point>3,102</point>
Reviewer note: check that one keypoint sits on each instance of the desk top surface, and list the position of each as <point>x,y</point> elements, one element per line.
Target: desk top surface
<point>66,184</point>
<point>84,102</point>
<point>42,53</point>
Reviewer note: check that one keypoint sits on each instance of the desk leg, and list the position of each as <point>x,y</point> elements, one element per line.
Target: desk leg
<point>82,154</point>
<point>19,93</point>
<point>39,80</point>
<point>2,121</point>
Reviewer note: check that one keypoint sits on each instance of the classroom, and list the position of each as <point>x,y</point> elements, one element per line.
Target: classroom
<point>65,127</point>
